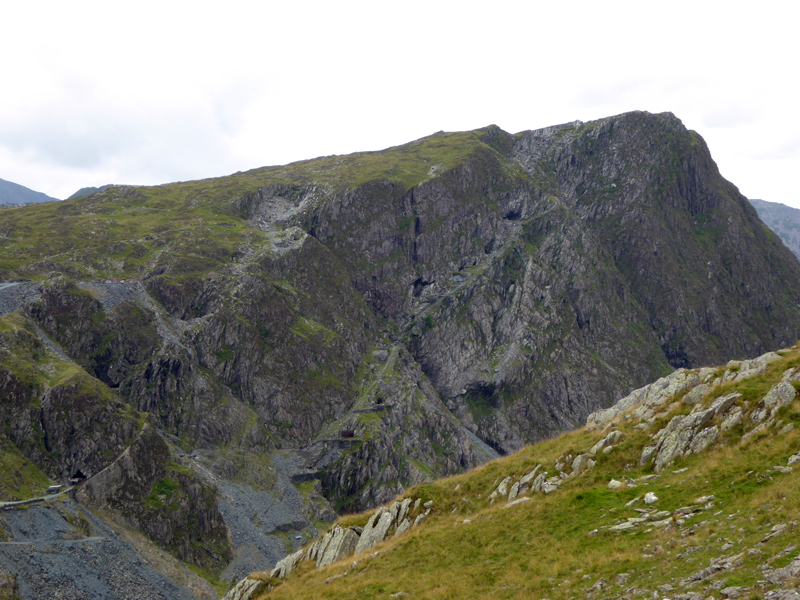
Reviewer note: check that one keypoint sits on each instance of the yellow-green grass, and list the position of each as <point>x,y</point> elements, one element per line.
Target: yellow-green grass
<point>21,479</point>
<point>121,230</point>
<point>548,548</point>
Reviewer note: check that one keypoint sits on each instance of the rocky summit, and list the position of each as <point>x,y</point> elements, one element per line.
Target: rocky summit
<point>216,369</point>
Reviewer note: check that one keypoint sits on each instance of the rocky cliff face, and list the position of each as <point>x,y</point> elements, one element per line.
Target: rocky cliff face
<point>160,498</point>
<point>59,417</point>
<point>553,270</point>
<point>369,321</point>
<point>665,492</point>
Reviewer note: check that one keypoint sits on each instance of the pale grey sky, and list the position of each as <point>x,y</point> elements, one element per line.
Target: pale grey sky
<point>154,92</point>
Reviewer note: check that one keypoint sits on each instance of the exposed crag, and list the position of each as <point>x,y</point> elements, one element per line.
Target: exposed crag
<point>228,361</point>
<point>683,489</point>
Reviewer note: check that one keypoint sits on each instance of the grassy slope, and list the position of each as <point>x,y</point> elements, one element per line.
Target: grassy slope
<point>545,548</point>
<point>106,234</point>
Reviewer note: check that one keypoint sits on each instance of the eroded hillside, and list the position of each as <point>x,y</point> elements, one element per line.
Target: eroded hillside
<point>684,489</point>
<point>229,362</point>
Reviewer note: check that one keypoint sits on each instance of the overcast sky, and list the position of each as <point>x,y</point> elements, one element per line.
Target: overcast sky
<point>153,92</point>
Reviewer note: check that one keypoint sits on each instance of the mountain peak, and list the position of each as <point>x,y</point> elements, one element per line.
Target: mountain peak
<point>14,193</point>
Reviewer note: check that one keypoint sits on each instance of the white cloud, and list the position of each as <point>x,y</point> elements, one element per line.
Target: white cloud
<point>731,116</point>
<point>154,92</point>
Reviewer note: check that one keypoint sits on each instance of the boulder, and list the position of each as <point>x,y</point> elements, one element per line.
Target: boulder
<point>502,489</point>
<point>703,439</point>
<point>551,485</point>
<point>316,549</point>
<point>538,483</point>
<point>733,419</point>
<point>579,464</point>
<point>704,499</point>
<point>781,394</point>
<point>685,434</point>
<point>244,590</point>
<point>394,509</point>
<point>755,366</point>
<point>342,543</point>
<point>404,526</point>
<point>518,501</point>
<point>526,479</point>
<point>287,564</point>
<point>648,399</point>
<point>376,533</point>
<point>696,394</point>
<point>734,591</point>
<point>421,518</point>
<point>404,509</point>
<point>788,573</point>
<point>611,438</point>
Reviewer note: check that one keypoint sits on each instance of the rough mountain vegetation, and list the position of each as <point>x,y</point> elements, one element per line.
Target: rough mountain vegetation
<point>229,362</point>
<point>595,513</point>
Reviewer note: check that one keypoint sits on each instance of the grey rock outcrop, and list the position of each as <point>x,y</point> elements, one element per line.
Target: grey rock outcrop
<point>402,527</point>
<point>695,432</point>
<point>580,463</point>
<point>788,573</point>
<point>526,479</point>
<point>334,545</point>
<point>752,367</point>
<point>608,441</point>
<point>375,531</point>
<point>518,501</point>
<point>404,506</point>
<point>286,565</point>
<point>686,434</point>
<point>341,542</point>
<point>648,399</point>
<point>716,565</point>
<point>245,589</point>
<point>783,393</point>
<point>502,488</point>
<point>510,489</point>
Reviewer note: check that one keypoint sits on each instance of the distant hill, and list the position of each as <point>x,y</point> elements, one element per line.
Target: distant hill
<point>88,191</point>
<point>14,193</point>
<point>783,220</point>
